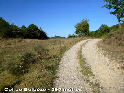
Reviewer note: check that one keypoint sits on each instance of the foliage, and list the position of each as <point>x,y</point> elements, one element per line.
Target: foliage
<point>102,31</point>
<point>92,34</point>
<point>116,27</point>
<point>32,31</point>
<point>117,7</point>
<point>82,28</point>
<point>23,31</point>
<point>4,27</point>
<point>13,31</point>
<point>43,35</point>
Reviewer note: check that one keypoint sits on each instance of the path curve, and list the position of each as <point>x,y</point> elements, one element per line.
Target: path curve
<point>111,81</point>
<point>69,75</point>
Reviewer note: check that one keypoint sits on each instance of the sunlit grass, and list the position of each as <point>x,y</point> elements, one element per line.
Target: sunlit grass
<point>31,63</point>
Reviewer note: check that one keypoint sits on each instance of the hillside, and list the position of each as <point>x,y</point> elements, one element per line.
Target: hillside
<point>113,46</point>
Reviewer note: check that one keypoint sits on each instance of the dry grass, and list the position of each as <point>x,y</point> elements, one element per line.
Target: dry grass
<point>31,63</point>
<point>115,38</point>
<point>113,47</point>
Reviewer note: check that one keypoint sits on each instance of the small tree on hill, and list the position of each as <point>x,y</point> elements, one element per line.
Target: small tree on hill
<point>117,7</point>
<point>82,28</point>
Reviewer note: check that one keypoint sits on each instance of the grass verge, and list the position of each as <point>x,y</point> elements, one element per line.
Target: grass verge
<point>26,63</point>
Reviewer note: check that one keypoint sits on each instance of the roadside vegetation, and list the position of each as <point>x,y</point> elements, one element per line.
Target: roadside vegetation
<point>31,63</point>
<point>113,46</point>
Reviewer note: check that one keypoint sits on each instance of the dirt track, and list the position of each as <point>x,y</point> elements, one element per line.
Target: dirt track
<point>111,81</point>
<point>69,75</point>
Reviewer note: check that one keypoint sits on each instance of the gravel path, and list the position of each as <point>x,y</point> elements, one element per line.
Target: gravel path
<point>111,81</point>
<point>69,75</point>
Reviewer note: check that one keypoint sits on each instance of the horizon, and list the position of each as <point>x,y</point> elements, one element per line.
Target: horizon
<point>56,17</point>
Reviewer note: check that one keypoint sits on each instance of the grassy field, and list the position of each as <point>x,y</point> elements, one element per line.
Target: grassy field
<point>26,63</point>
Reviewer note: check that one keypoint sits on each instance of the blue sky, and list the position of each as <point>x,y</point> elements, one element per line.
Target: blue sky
<point>56,17</point>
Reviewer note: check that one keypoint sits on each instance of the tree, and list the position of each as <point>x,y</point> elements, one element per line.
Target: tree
<point>4,27</point>
<point>33,31</point>
<point>23,31</point>
<point>117,7</point>
<point>23,28</point>
<point>82,28</point>
<point>43,35</point>
<point>15,31</point>
<point>102,31</point>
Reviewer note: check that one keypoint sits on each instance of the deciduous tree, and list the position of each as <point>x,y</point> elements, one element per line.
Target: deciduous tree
<point>82,28</point>
<point>117,8</point>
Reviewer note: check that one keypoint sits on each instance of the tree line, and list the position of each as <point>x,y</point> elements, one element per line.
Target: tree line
<point>13,31</point>
<point>117,9</point>
<point>82,29</point>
